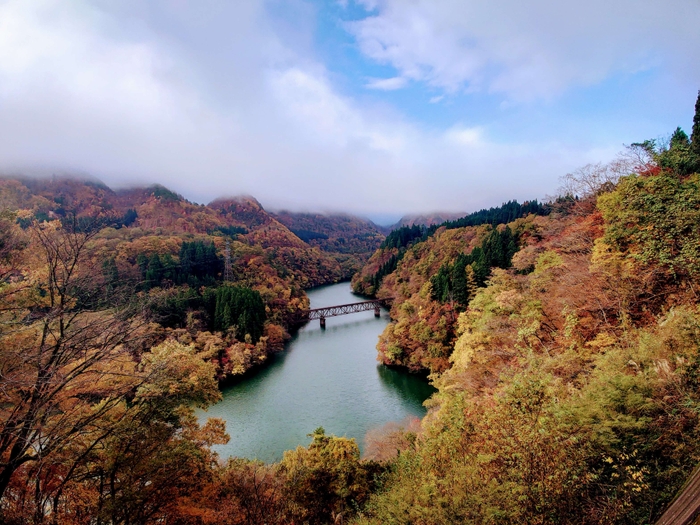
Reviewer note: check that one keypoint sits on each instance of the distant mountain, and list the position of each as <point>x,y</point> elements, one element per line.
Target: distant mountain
<point>427,219</point>
<point>168,219</point>
<point>334,233</point>
<point>352,239</point>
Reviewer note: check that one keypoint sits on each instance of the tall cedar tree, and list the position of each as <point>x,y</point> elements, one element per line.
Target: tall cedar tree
<point>695,135</point>
<point>237,306</point>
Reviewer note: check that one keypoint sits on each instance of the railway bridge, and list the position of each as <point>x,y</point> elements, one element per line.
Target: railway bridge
<point>343,309</point>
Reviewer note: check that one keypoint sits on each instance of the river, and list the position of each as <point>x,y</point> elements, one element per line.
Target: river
<point>329,378</point>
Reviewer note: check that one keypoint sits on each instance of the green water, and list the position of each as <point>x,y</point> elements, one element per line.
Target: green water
<point>327,378</point>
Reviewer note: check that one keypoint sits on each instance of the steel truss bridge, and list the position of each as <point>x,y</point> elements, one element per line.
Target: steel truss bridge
<point>343,309</point>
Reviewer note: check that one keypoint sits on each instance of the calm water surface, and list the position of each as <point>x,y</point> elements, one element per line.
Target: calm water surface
<point>327,378</point>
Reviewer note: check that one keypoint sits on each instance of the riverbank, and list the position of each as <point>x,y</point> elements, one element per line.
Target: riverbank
<point>327,378</point>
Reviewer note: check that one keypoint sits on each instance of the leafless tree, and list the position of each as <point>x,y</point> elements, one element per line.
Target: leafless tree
<point>63,362</point>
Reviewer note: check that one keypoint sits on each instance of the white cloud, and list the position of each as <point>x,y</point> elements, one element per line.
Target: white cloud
<point>386,84</point>
<point>464,136</point>
<point>216,102</point>
<point>529,49</point>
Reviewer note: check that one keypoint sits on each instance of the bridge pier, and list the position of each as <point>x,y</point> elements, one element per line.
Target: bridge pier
<point>331,311</point>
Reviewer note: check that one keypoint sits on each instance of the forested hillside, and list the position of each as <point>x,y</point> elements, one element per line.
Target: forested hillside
<point>426,219</point>
<point>563,339</point>
<point>350,240</point>
<point>567,388</point>
<point>172,254</point>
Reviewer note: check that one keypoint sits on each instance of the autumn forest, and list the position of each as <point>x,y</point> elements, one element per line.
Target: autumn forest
<point>562,336</point>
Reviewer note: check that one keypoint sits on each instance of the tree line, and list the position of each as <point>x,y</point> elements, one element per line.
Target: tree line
<point>405,236</point>
<point>457,282</point>
<point>198,264</point>
<point>502,214</point>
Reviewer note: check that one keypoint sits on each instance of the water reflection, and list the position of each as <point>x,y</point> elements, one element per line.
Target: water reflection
<point>326,378</point>
<point>409,387</point>
<point>317,331</point>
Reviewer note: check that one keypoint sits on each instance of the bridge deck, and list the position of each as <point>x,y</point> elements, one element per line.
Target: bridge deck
<point>342,309</point>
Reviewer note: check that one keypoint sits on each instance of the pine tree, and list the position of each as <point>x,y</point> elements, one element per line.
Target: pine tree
<point>154,274</point>
<point>679,139</point>
<point>110,273</point>
<point>142,263</point>
<point>695,135</point>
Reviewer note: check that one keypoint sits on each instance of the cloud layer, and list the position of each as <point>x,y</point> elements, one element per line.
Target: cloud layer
<point>529,49</point>
<point>235,99</point>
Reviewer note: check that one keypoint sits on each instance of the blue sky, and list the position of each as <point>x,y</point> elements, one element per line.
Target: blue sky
<point>375,107</point>
<point>625,101</point>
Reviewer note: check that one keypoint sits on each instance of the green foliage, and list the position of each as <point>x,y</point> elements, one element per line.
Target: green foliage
<point>164,193</point>
<point>408,235</point>
<point>231,231</point>
<point>404,236</point>
<point>326,481</point>
<point>160,270</point>
<point>654,220</point>
<point>679,157</point>
<point>129,217</point>
<point>695,135</point>
<point>236,306</point>
<point>308,235</point>
<point>457,282</point>
<point>502,214</point>
<point>110,273</point>
<point>385,269</point>
<point>199,265</point>
<point>224,307</point>
<point>170,307</point>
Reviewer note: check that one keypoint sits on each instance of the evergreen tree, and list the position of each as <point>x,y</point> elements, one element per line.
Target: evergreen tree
<point>199,264</point>
<point>457,282</point>
<point>185,262</point>
<point>154,273</point>
<point>129,217</point>
<point>695,135</point>
<point>170,269</point>
<point>679,157</point>
<point>461,290</point>
<point>237,306</point>
<point>142,263</point>
<point>480,266</point>
<point>404,236</point>
<point>679,139</point>
<point>111,274</point>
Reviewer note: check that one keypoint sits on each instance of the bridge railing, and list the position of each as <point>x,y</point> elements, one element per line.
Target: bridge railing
<point>342,309</point>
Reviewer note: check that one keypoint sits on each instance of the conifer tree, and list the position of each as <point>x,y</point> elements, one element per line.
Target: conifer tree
<point>110,273</point>
<point>154,274</point>
<point>695,135</point>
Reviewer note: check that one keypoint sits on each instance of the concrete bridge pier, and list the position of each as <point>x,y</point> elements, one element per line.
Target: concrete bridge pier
<point>323,322</point>
<point>377,312</point>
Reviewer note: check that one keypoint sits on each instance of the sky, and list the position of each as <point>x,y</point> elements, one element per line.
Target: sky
<point>372,107</point>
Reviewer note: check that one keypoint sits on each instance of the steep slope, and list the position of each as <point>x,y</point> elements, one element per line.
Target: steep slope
<point>350,240</point>
<point>172,251</point>
<point>571,393</point>
<point>426,219</point>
